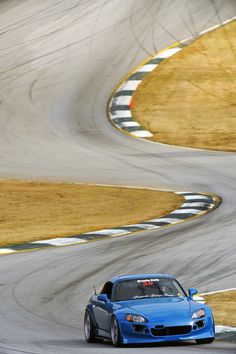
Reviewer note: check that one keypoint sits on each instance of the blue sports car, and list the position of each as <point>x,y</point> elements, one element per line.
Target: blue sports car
<point>145,308</point>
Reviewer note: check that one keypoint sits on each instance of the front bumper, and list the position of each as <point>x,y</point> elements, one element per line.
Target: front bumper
<point>152,332</point>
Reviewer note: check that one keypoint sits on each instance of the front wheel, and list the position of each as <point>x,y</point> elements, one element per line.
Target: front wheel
<point>89,328</point>
<point>205,340</point>
<point>115,333</point>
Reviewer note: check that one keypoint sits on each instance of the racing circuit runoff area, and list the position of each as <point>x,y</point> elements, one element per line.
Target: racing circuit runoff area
<point>44,293</point>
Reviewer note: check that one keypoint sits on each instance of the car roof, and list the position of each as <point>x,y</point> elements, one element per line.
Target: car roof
<point>140,276</point>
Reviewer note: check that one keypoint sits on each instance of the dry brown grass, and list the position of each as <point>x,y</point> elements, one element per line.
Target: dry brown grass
<point>33,211</point>
<point>190,99</point>
<point>224,307</point>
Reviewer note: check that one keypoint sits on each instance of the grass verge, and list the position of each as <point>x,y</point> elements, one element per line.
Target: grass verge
<point>190,99</point>
<point>32,211</point>
<point>223,306</point>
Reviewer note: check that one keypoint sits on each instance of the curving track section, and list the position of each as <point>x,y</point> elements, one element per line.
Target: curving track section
<point>60,61</point>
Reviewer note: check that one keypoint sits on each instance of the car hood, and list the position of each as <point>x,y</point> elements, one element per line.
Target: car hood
<point>158,308</point>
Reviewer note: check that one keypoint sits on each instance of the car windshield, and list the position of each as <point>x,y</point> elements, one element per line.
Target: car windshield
<point>147,288</point>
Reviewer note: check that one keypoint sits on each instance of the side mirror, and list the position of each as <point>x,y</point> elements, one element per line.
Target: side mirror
<point>103,297</point>
<point>192,292</point>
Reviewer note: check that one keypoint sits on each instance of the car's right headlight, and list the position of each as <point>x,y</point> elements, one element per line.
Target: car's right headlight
<point>199,313</point>
<point>135,318</point>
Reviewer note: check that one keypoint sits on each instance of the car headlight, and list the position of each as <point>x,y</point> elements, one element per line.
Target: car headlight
<point>199,313</point>
<point>135,318</point>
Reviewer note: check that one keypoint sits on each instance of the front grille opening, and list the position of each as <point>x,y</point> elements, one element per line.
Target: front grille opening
<point>200,323</point>
<point>159,327</point>
<point>171,331</point>
<point>140,328</point>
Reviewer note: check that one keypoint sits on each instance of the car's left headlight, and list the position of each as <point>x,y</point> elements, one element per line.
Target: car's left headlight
<point>199,313</point>
<point>135,318</point>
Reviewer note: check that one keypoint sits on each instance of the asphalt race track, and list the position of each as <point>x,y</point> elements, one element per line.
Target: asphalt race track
<point>59,62</point>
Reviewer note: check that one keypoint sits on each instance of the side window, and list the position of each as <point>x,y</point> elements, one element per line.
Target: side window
<point>107,289</point>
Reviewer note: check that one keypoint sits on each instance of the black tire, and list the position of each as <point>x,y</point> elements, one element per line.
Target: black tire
<point>89,328</point>
<point>205,340</point>
<point>115,333</point>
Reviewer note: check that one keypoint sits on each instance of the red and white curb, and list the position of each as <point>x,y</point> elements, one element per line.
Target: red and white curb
<point>119,108</point>
<point>195,204</point>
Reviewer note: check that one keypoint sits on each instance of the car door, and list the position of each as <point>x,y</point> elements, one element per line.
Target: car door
<point>102,310</point>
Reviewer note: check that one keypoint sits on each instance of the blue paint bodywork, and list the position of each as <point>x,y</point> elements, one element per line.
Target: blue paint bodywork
<point>167,318</point>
